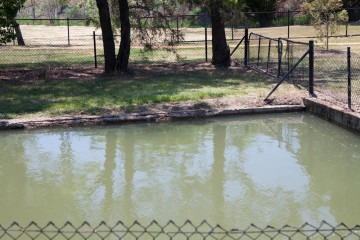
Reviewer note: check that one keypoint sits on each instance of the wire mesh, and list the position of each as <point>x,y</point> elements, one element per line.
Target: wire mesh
<point>355,80</point>
<point>330,74</point>
<point>263,54</point>
<point>45,57</point>
<point>278,57</point>
<point>237,49</point>
<point>172,230</point>
<point>193,41</point>
<point>331,77</point>
<point>291,53</point>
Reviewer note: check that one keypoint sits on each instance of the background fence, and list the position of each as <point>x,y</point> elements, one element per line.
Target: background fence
<point>69,42</point>
<point>171,230</point>
<point>333,74</point>
<point>284,24</point>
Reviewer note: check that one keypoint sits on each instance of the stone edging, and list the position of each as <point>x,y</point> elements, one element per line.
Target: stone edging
<point>140,117</point>
<point>334,114</point>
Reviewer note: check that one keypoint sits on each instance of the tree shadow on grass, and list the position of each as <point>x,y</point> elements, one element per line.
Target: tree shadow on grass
<point>101,94</point>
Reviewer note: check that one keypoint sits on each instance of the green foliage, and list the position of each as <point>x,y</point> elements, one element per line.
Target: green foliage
<point>74,11</point>
<point>326,15</point>
<point>302,20</point>
<point>265,7</point>
<point>261,5</point>
<point>8,11</point>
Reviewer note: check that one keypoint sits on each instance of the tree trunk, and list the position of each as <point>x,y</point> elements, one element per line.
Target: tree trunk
<point>33,8</point>
<point>18,34</point>
<point>122,60</point>
<point>107,35</point>
<point>220,49</point>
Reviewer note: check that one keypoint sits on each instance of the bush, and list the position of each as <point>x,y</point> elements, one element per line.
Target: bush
<point>302,20</point>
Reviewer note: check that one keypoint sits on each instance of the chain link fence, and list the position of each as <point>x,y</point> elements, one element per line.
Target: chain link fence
<point>264,54</point>
<point>69,42</point>
<point>171,230</point>
<point>355,80</point>
<point>50,44</point>
<point>291,54</point>
<point>332,74</point>
<point>276,57</point>
<point>337,76</point>
<point>295,24</point>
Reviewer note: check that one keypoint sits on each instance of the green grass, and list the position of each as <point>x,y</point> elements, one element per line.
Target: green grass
<point>108,94</point>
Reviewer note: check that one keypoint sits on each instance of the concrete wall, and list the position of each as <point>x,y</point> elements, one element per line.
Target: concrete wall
<point>334,114</point>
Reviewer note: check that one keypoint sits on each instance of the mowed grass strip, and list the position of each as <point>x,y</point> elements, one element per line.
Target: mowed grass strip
<point>105,95</point>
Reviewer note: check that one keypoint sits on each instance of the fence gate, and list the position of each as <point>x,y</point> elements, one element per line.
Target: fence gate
<point>263,54</point>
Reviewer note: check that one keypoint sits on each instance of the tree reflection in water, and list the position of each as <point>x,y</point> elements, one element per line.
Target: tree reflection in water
<point>266,169</point>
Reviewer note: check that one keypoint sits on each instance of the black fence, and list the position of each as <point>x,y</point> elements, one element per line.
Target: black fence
<point>331,74</point>
<point>70,42</point>
<point>275,47</point>
<point>277,56</point>
<point>337,76</point>
<point>284,24</point>
<point>171,230</point>
<point>295,24</point>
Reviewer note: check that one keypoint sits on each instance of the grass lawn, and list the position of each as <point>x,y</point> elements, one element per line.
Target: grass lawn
<point>96,94</point>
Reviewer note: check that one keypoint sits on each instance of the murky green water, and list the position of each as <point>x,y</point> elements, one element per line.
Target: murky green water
<point>264,169</point>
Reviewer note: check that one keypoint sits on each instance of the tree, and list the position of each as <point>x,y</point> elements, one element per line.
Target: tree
<point>160,27</point>
<point>33,8</point>
<point>219,10</point>
<point>107,35</point>
<point>120,16</point>
<point>351,3</point>
<point>54,8</point>
<point>326,16</point>
<point>122,60</point>
<point>8,11</point>
<point>291,5</point>
<point>220,48</point>
<point>264,10</point>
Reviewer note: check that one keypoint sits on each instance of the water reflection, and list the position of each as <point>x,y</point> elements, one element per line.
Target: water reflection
<point>267,169</point>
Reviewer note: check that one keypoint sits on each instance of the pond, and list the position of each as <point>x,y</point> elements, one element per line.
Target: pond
<point>263,169</point>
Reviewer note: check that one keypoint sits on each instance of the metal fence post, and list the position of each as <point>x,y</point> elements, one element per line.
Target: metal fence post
<point>177,29</point>
<point>95,55</point>
<point>232,26</point>
<point>311,68</point>
<point>206,45</point>
<point>268,57</point>
<point>279,56</point>
<point>288,20</point>
<point>13,32</point>
<point>68,30</point>
<point>346,29</point>
<point>259,51</point>
<point>349,75</point>
<point>246,52</point>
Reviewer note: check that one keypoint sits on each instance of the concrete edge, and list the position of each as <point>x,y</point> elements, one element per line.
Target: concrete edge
<point>337,115</point>
<point>73,121</point>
